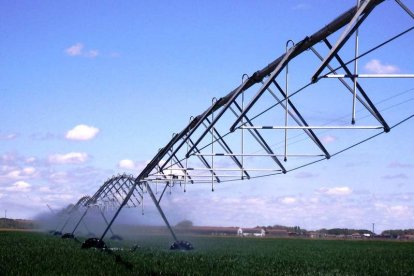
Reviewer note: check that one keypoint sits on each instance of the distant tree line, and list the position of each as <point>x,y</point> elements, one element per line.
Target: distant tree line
<point>340,231</point>
<point>290,229</point>
<point>344,231</point>
<point>397,232</point>
<point>184,224</point>
<point>7,223</point>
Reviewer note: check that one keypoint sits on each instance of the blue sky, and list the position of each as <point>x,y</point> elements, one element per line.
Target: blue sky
<point>91,89</point>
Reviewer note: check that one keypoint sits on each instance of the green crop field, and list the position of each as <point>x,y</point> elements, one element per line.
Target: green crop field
<point>27,253</point>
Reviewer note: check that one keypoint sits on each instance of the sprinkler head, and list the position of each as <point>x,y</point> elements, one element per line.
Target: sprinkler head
<point>94,243</point>
<point>181,245</point>
<point>68,236</point>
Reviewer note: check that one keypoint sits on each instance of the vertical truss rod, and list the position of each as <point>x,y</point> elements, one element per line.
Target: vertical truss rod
<point>186,162</point>
<point>347,86</point>
<point>232,99</point>
<point>165,187</point>
<point>184,134</point>
<point>300,120</point>
<point>177,161</point>
<point>226,148</point>
<point>286,98</point>
<point>266,84</point>
<point>203,160</point>
<point>161,172</point>
<point>212,146</point>
<point>256,135</point>
<point>242,135</point>
<point>362,12</point>
<point>258,76</point>
<point>355,72</point>
<point>240,110</point>
<point>226,101</point>
<point>192,127</point>
<point>377,115</point>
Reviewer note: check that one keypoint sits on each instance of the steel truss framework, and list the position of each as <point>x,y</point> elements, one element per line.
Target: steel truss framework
<point>82,202</point>
<point>216,146</point>
<point>110,195</point>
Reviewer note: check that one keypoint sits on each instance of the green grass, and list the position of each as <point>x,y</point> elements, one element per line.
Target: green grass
<point>40,254</point>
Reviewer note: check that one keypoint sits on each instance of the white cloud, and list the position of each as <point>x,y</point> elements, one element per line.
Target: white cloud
<point>78,49</point>
<point>396,164</point>
<point>288,200</point>
<point>375,66</point>
<point>8,136</point>
<point>395,176</point>
<point>395,212</point>
<point>29,170</point>
<point>19,186</point>
<point>301,6</point>
<point>91,53</point>
<point>336,191</point>
<point>74,50</point>
<point>399,209</point>
<point>45,189</point>
<point>82,133</point>
<point>327,139</point>
<point>10,173</point>
<point>126,164</point>
<point>175,171</point>
<point>68,158</point>
<point>8,157</point>
<point>314,200</point>
<point>59,177</point>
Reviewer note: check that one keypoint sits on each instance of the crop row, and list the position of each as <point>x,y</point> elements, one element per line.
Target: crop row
<point>41,254</point>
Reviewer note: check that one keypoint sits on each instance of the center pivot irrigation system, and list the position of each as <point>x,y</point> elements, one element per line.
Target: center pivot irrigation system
<point>282,117</point>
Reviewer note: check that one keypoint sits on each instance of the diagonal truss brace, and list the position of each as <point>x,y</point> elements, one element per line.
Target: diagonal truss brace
<point>259,138</point>
<point>226,148</point>
<point>300,120</point>
<point>371,105</point>
<point>361,14</point>
<point>225,103</point>
<point>405,8</point>
<point>267,83</point>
